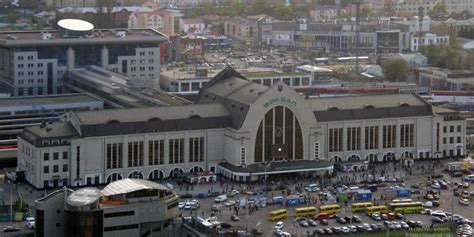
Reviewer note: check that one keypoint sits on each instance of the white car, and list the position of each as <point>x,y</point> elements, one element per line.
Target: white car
<point>376,216</point>
<point>232,193</point>
<point>221,198</point>
<point>187,205</point>
<point>464,201</point>
<point>31,225</point>
<point>435,185</point>
<point>181,205</point>
<point>230,203</point>
<point>345,230</point>
<point>279,225</point>
<point>428,204</point>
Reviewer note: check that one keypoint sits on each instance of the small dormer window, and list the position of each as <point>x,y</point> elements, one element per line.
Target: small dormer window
<point>333,108</point>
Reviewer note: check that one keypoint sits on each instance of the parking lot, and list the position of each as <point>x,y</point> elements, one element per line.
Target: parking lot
<point>257,218</point>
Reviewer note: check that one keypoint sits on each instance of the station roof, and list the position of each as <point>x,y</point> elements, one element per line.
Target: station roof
<point>150,113</point>
<point>125,186</point>
<point>84,197</point>
<point>49,99</point>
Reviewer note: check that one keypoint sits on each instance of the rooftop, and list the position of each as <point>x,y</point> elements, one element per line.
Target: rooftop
<point>264,72</point>
<point>150,113</point>
<point>53,130</point>
<point>125,186</point>
<point>84,197</point>
<point>99,36</point>
<point>47,99</point>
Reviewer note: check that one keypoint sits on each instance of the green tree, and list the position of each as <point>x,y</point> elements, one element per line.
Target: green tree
<point>238,8</point>
<point>282,12</point>
<point>438,10</point>
<point>12,17</point>
<point>395,69</point>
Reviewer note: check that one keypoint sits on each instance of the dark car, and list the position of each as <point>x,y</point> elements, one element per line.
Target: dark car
<point>375,227</point>
<point>412,224</point>
<point>356,219</point>
<point>341,220</point>
<point>437,176</point>
<point>186,195</point>
<point>415,192</point>
<point>324,222</point>
<point>336,230</point>
<point>226,225</point>
<point>456,174</point>
<point>436,203</point>
<point>213,194</point>
<point>360,228</point>
<point>234,218</point>
<point>348,219</point>
<point>328,231</point>
<point>399,216</point>
<point>11,229</point>
<point>201,195</point>
<point>320,231</point>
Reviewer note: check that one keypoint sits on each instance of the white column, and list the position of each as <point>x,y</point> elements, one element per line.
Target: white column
<point>70,59</point>
<point>104,59</point>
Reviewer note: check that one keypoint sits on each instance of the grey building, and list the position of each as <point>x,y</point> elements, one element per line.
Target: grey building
<point>129,207</point>
<point>34,62</point>
<point>336,36</point>
<point>240,129</point>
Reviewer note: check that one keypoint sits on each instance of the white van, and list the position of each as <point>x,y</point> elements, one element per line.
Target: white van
<point>221,198</point>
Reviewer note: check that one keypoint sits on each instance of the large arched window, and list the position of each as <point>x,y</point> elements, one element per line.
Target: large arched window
<point>279,136</point>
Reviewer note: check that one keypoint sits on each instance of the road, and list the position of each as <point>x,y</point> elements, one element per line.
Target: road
<point>448,202</point>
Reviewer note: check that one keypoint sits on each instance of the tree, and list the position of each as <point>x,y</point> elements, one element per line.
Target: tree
<point>282,12</point>
<point>395,69</point>
<point>438,10</point>
<point>12,17</point>
<point>238,8</point>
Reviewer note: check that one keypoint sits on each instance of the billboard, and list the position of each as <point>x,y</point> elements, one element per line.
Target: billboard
<point>282,37</point>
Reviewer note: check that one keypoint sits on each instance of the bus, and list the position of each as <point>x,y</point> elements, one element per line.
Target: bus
<point>361,206</point>
<point>374,209</point>
<point>406,207</point>
<point>278,215</point>
<point>330,209</point>
<point>402,200</point>
<point>305,211</point>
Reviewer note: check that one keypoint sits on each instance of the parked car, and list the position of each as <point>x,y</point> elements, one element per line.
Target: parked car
<point>235,218</point>
<point>201,195</point>
<point>376,216</point>
<point>464,202</point>
<point>341,220</point>
<point>232,193</point>
<point>186,195</point>
<point>323,222</point>
<point>213,194</point>
<point>221,198</point>
<point>229,203</point>
<point>312,222</point>
<point>356,219</point>
<point>10,229</point>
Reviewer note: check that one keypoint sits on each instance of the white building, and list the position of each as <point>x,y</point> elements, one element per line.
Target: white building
<point>187,24</point>
<point>235,127</point>
<point>420,39</point>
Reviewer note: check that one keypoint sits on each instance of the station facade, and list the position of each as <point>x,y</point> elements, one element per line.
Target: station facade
<point>240,129</point>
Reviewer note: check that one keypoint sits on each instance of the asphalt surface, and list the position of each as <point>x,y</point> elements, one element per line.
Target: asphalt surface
<point>258,219</point>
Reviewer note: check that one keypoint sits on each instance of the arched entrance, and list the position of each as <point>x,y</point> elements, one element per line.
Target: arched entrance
<point>407,155</point>
<point>279,136</point>
<point>156,175</point>
<point>113,177</point>
<point>136,175</point>
<point>371,158</point>
<point>175,172</point>
<point>389,156</point>
<point>196,169</point>
<point>353,157</point>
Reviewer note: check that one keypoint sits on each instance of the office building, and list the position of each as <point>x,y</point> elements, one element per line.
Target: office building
<point>240,129</point>
<point>34,63</point>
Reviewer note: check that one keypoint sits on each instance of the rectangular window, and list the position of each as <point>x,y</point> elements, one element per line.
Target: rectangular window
<point>459,128</point>
<point>135,154</point>
<point>118,214</point>
<point>156,152</point>
<point>45,169</point>
<point>65,168</point>
<point>114,155</point>
<point>55,156</point>
<point>335,139</point>
<point>451,128</point>
<point>196,149</point>
<point>444,140</point>
<point>316,150</point>
<point>389,136</point>
<point>458,139</point>
<point>78,162</point>
<point>243,155</point>
<point>353,138</point>
<point>176,151</point>
<point>451,140</point>
<point>445,129</point>
<point>46,156</point>
<point>371,137</point>
<point>65,155</point>
<point>55,168</point>
<point>407,135</point>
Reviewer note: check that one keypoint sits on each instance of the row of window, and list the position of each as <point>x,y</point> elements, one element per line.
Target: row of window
<point>46,156</point>
<point>451,128</point>
<point>353,137</point>
<point>134,69</point>
<point>39,91</point>
<point>150,53</point>
<point>156,152</point>
<point>30,81</point>
<point>29,57</point>
<point>55,169</point>
<point>451,140</point>
<point>295,81</point>
<point>141,61</point>
<point>29,65</point>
